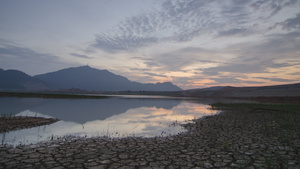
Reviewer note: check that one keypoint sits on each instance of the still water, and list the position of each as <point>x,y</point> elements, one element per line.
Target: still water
<point>113,117</point>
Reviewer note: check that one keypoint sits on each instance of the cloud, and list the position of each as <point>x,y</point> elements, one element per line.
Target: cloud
<point>258,66</point>
<point>292,23</point>
<point>274,52</point>
<point>233,68</point>
<point>246,65</point>
<point>179,59</point>
<point>140,69</point>
<point>277,79</point>
<point>177,21</point>
<point>14,56</point>
<point>154,74</point>
<point>280,44</point>
<point>152,63</point>
<point>112,44</point>
<point>296,73</point>
<point>182,21</point>
<point>81,56</point>
<point>131,34</point>
<point>277,52</point>
<point>226,80</point>
<point>271,7</point>
<point>252,82</point>
<point>9,50</point>
<point>234,31</point>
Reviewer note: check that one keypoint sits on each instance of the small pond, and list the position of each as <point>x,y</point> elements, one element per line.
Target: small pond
<point>122,116</point>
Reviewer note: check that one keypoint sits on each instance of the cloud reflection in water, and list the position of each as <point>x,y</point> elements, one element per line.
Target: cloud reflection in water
<point>141,117</point>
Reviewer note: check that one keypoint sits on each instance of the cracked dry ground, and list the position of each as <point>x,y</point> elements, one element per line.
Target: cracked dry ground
<point>237,138</point>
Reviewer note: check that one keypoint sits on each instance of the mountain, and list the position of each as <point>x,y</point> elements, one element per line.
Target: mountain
<point>288,90</point>
<point>88,78</point>
<point>17,80</point>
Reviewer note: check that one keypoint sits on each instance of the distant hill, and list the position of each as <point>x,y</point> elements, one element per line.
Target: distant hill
<point>289,90</point>
<point>92,79</point>
<point>17,80</point>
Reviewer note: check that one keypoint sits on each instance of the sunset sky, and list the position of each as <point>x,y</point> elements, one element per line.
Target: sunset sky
<point>191,43</point>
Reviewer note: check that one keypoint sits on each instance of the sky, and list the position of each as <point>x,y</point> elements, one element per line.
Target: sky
<point>191,43</point>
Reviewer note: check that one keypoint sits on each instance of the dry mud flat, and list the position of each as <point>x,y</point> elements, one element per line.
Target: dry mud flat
<point>242,137</point>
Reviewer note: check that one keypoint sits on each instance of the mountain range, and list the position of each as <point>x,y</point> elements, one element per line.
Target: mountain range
<point>87,79</point>
<point>83,78</point>
<point>17,80</point>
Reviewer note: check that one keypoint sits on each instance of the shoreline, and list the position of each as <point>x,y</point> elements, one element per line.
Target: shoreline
<point>94,95</point>
<point>12,123</point>
<point>242,136</point>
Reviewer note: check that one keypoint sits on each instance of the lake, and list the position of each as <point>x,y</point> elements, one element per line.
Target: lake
<point>123,116</point>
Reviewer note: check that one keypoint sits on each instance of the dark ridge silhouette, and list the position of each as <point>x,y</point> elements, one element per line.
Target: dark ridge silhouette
<point>288,90</point>
<point>92,79</point>
<point>17,80</point>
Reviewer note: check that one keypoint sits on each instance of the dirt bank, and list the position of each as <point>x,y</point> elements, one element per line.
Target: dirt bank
<point>21,122</point>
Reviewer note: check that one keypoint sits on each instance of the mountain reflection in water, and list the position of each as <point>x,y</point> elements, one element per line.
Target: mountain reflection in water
<point>114,117</point>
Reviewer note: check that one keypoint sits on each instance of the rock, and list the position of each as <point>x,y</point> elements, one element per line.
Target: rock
<point>105,162</point>
<point>123,156</point>
<point>219,164</point>
<point>207,165</point>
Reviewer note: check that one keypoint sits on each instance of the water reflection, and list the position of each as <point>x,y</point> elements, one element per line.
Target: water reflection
<point>116,117</point>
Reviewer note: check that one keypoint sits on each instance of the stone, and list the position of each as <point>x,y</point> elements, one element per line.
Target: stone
<point>123,156</point>
<point>219,164</point>
<point>207,165</point>
<point>105,162</point>
<point>31,161</point>
<point>248,153</point>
